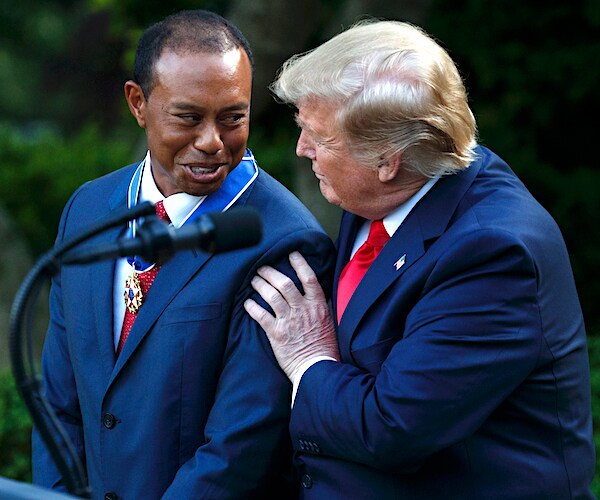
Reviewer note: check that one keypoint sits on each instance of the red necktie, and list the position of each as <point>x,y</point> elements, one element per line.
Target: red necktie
<point>146,279</point>
<point>358,265</point>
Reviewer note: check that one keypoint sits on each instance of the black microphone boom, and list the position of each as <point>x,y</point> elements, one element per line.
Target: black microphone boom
<point>156,241</point>
<point>22,357</point>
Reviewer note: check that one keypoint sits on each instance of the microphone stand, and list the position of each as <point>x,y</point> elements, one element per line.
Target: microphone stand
<point>28,383</point>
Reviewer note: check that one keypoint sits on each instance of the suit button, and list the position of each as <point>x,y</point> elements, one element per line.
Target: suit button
<point>306,481</point>
<point>110,496</point>
<point>109,421</point>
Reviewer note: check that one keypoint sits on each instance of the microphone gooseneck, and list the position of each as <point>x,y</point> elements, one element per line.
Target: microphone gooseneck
<point>156,241</point>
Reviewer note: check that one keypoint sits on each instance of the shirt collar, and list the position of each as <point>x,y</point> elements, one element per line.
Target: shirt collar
<point>394,219</point>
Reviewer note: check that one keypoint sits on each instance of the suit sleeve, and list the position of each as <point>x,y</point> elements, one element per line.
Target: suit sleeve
<point>59,388</point>
<point>248,449</point>
<point>471,337</point>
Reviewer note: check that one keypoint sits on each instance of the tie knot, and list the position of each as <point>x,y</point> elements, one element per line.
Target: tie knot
<point>378,236</point>
<point>161,212</point>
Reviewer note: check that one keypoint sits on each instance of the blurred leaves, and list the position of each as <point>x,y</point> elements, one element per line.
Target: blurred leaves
<point>529,68</point>
<point>40,169</point>
<point>594,354</point>
<point>532,79</point>
<point>15,432</point>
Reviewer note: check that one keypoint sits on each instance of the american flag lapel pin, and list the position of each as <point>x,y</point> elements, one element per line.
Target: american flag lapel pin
<point>400,262</point>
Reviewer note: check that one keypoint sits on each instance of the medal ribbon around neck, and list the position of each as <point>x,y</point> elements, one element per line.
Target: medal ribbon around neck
<point>236,182</point>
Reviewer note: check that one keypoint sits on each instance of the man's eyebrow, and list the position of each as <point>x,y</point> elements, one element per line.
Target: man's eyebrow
<point>312,132</point>
<point>185,106</point>
<point>301,124</point>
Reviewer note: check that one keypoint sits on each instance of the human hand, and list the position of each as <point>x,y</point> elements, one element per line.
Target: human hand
<point>302,327</point>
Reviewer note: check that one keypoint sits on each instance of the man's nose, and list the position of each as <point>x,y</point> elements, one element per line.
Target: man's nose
<point>208,138</point>
<point>305,146</point>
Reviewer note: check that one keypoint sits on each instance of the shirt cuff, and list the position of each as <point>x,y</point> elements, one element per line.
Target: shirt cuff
<point>302,369</point>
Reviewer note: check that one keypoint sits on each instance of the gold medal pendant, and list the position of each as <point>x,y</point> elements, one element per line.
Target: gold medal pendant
<point>133,293</point>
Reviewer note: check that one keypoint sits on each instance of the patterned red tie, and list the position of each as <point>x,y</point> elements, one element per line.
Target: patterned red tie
<point>358,265</point>
<point>146,279</point>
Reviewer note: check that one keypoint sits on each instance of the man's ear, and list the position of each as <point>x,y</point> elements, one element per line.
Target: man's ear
<point>136,101</point>
<point>389,169</point>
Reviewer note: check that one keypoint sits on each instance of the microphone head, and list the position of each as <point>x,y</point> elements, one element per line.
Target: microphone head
<point>235,228</point>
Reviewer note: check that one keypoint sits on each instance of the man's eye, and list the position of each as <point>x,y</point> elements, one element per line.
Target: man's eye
<point>234,118</point>
<point>191,117</point>
<point>319,141</point>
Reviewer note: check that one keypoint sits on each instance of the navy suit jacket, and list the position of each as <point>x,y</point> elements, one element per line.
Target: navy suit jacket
<point>464,369</point>
<point>195,406</point>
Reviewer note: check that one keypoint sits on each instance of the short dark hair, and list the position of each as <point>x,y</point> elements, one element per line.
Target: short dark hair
<point>186,31</point>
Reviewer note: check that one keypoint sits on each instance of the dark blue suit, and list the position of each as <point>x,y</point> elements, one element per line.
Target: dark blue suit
<point>195,406</point>
<point>465,372</point>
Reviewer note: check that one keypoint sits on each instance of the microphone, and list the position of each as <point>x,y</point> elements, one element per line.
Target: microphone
<point>156,241</point>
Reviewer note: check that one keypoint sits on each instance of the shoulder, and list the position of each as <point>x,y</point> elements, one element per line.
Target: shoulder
<point>279,207</point>
<point>498,217</point>
<point>500,200</point>
<point>92,200</point>
<point>288,225</point>
<point>108,182</point>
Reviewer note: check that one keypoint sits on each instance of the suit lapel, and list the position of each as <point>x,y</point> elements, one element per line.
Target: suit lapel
<point>349,226</point>
<point>426,222</point>
<point>172,277</point>
<point>102,276</point>
<point>407,245</point>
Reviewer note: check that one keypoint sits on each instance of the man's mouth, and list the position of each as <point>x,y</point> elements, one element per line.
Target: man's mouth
<point>204,169</point>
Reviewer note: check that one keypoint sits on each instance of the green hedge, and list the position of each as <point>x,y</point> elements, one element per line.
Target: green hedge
<point>15,424</point>
<point>594,352</point>
<point>40,169</point>
<point>15,432</point>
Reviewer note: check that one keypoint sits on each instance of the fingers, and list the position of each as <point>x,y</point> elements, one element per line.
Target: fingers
<point>270,293</point>
<point>280,292</point>
<point>308,278</point>
<point>258,314</point>
<point>281,286</point>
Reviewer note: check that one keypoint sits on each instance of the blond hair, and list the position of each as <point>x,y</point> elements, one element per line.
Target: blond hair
<point>396,91</point>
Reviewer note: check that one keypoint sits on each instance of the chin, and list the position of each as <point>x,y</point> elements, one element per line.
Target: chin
<point>201,191</point>
<point>330,196</point>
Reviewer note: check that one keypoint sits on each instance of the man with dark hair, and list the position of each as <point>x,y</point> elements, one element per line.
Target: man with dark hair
<point>194,30</point>
<point>165,386</point>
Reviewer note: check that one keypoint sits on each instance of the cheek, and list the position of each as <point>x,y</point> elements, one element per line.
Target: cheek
<point>235,141</point>
<point>350,182</point>
<point>169,138</point>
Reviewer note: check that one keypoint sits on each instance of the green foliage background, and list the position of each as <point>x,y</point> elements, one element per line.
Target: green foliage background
<point>15,432</point>
<point>531,72</point>
<point>529,68</point>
